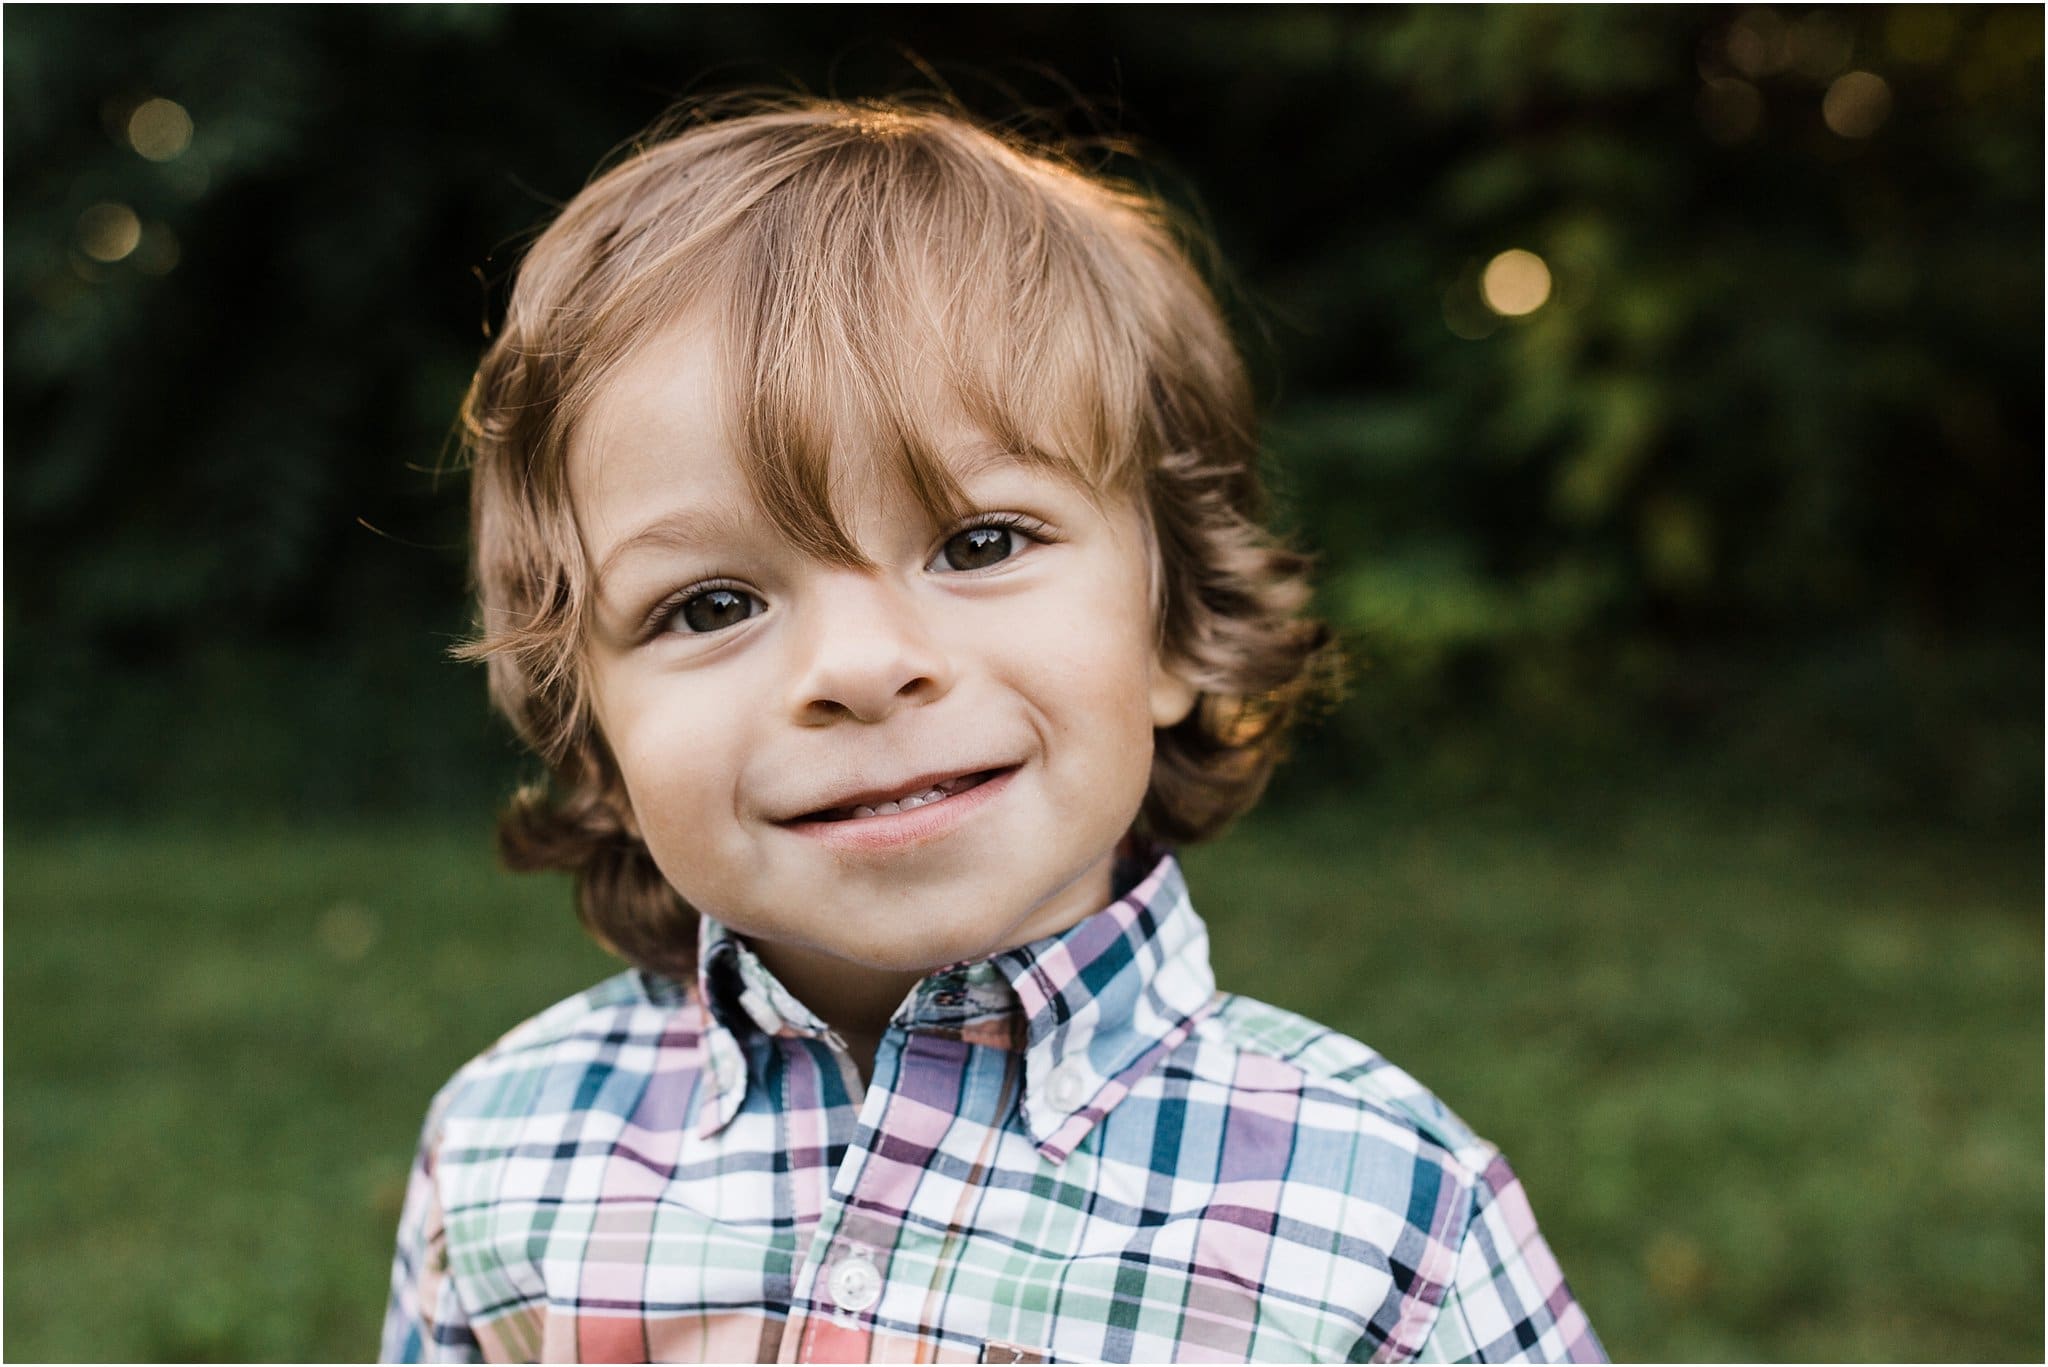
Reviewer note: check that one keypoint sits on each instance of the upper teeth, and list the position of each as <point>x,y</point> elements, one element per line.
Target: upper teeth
<point>937,792</point>
<point>901,804</point>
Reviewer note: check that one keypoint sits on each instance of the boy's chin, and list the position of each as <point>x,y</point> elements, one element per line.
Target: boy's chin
<point>932,943</point>
<point>925,952</point>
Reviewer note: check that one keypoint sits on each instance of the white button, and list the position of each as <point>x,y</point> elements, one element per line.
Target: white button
<point>855,1283</point>
<point>1067,1088</point>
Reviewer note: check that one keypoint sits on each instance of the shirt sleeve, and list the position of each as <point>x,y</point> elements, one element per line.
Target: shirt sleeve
<point>424,1322</point>
<point>1508,1301</point>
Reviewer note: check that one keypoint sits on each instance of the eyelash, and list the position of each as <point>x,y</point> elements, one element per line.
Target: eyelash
<point>1029,528</point>
<point>671,607</point>
<point>666,611</point>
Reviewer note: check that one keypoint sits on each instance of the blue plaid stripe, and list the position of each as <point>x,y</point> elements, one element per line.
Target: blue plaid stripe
<point>1076,1149</point>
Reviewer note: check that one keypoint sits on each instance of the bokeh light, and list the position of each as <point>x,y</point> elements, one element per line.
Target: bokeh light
<point>160,129</point>
<point>1857,104</point>
<point>1515,283</point>
<point>108,232</point>
<point>1759,43</point>
<point>348,931</point>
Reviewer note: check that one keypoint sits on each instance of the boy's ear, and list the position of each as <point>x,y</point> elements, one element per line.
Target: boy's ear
<point>1173,697</point>
<point>622,809</point>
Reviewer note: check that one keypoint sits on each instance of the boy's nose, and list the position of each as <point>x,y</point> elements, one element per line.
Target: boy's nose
<point>867,653</point>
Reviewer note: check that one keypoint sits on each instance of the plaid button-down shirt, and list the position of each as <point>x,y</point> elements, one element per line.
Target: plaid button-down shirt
<point>1074,1151</point>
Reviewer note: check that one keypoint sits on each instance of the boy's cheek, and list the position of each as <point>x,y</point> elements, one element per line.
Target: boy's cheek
<point>670,765</point>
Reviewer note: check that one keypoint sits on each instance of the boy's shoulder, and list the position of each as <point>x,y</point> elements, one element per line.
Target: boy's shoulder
<point>616,997</point>
<point>1333,1069</point>
<point>616,1025</point>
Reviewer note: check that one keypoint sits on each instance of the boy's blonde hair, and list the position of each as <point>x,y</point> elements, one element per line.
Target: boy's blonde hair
<point>891,269</point>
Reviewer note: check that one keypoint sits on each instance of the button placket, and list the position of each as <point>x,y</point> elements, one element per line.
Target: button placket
<point>842,1271</point>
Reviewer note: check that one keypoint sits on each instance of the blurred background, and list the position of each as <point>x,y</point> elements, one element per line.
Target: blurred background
<point>1661,390</point>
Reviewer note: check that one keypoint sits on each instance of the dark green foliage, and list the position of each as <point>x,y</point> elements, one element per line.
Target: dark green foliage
<point>1772,441</point>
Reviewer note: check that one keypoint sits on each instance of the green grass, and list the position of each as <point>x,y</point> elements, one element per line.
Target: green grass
<point>1775,1092</point>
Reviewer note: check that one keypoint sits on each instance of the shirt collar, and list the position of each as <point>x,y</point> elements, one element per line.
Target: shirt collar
<point>1092,1009</point>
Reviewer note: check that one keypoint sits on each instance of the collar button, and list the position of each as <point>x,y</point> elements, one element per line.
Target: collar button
<point>1067,1088</point>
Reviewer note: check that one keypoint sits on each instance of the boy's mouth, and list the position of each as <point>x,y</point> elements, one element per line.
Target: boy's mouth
<point>921,792</point>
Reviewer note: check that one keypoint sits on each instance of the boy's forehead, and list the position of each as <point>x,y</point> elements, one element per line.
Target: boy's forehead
<point>666,394</point>
<point>668,428</point>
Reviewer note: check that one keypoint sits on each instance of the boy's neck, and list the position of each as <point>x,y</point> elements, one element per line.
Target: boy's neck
<point>855,1001</point>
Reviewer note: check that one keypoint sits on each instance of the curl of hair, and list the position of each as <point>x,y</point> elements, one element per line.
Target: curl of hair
<point>1233,619</point>
<point>621,897</point>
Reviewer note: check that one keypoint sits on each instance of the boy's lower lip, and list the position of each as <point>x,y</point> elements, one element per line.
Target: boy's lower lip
<point>898,830</point>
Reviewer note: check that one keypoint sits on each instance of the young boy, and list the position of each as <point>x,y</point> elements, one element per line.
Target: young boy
<point>867,534</point>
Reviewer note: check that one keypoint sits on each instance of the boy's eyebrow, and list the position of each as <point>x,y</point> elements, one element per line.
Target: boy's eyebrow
<point>679,528</point>
<point>983,458</point>
<point>685,527</point>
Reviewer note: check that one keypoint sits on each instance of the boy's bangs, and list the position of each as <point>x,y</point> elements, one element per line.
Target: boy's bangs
<point>902,308</point>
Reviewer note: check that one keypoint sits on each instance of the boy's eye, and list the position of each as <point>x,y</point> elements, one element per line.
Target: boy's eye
<point>716,609</point>
<point>979,547</point>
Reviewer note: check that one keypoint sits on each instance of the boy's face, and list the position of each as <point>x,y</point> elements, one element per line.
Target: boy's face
<point>757,701</point>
